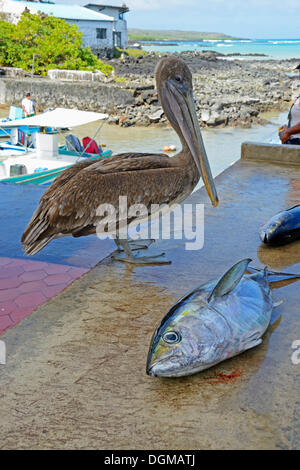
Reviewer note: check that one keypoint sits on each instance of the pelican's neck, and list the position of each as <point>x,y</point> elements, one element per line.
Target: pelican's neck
<point>185,159</point>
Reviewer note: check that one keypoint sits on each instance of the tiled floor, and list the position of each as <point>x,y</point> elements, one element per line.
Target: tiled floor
<point>24,285</point>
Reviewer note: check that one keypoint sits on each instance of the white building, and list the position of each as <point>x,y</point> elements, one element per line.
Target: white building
<point>100,31</point>
<point>117,10</point>
<point>112,8</point>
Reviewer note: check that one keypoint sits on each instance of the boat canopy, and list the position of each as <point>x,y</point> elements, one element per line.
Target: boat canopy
<point>58,118</point>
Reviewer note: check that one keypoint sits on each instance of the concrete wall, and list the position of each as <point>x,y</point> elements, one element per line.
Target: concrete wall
<point>48,93</point>
<point>271,153</point>
<point>88,29</point>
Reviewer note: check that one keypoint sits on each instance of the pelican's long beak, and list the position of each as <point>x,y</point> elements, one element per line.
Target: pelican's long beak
<point>181,107</point>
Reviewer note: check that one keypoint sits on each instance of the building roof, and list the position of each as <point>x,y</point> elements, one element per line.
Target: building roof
<point>67,12</point>
<point>108,3</point>
<point>119,4</point>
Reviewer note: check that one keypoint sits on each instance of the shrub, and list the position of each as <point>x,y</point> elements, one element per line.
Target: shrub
<point>53,42</point>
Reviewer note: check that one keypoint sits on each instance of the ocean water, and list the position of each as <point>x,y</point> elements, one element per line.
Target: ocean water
<point>272,48</point>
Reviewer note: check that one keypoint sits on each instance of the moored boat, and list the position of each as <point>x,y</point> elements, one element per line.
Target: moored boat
<point>45,159</point>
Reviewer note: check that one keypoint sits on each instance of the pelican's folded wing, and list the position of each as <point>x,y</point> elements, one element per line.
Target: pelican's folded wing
<point>131,162</point>
<point>71,202</point>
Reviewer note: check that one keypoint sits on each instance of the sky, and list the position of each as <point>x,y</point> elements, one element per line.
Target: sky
<point>247,19</point>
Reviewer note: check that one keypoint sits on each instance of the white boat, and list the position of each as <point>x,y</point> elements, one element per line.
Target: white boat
<point>45,160</point>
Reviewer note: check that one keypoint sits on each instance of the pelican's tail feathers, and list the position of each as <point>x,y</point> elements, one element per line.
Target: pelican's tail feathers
<point>37,245</point>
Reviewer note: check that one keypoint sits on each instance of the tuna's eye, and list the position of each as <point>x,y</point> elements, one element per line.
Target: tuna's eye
<point>172,337</point>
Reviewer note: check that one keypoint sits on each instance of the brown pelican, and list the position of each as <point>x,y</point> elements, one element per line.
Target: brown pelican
<point>69,206</point>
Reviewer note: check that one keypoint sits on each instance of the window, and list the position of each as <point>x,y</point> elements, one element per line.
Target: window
<point>101,33</point>
<point>121,16</point>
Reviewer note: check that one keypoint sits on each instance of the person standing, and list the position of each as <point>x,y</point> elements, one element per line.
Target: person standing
<point>290,134</point>
<point>28,106</point>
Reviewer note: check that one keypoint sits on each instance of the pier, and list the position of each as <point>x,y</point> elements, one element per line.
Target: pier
<point>75,371</point>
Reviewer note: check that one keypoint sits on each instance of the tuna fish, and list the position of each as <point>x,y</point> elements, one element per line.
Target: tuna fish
<point>282,228</point>
<point>213,322</point>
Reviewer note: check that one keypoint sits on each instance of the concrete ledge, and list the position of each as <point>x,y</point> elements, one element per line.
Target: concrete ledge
<point>13,72</point>
<point>77,75</point>
<point>271,153</point>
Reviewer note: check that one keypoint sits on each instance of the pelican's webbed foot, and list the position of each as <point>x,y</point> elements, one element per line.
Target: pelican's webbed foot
<point>128,257</point>
<point>140,244</point>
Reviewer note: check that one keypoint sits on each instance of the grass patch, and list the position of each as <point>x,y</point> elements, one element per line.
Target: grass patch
<point>129,52</point>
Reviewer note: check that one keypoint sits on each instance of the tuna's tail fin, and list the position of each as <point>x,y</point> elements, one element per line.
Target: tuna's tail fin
<point>276,280</point>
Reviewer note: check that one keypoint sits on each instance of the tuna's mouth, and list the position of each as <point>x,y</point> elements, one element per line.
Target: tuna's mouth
<point>154,369</point>
<point>162,367</point>
<point>150,372</point>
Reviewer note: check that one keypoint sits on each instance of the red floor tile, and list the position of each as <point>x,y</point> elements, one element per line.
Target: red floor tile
<point>34,286</point>
<point>18,263</point>
<point>56,269</point>
<point>32,299</point>
<point>5,322</point>
<point>10,282</point>
<point>34,265</point>
<point>33,276</point>
<point>8,294</point>
<point>57,279</point>
<point>19,313</point>
<point>26,284</point>
<point>6,271</point>
<point>5,261</point>
<point>7,307</point>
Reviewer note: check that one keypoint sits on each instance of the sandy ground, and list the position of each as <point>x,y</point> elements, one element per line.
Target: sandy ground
<point>75,373</point>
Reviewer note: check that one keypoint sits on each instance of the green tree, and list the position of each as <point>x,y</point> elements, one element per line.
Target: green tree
<point>54,42</point>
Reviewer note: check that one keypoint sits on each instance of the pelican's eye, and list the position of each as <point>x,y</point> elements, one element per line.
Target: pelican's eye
<point>172,337</point>
<point>178,78</point>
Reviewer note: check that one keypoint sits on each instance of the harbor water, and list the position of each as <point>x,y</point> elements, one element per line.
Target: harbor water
<point>223,145</point>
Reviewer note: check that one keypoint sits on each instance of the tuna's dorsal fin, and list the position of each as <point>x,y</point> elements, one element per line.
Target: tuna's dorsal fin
<point>230,279</point>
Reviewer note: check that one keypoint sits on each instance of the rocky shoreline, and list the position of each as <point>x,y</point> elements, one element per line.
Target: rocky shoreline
<point>231,92</point>
<point>228,91</point>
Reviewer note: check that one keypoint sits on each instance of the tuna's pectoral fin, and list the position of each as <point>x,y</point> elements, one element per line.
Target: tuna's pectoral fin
<point>230,279</point>
<point>251,344</point>
<point>251,340</point>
